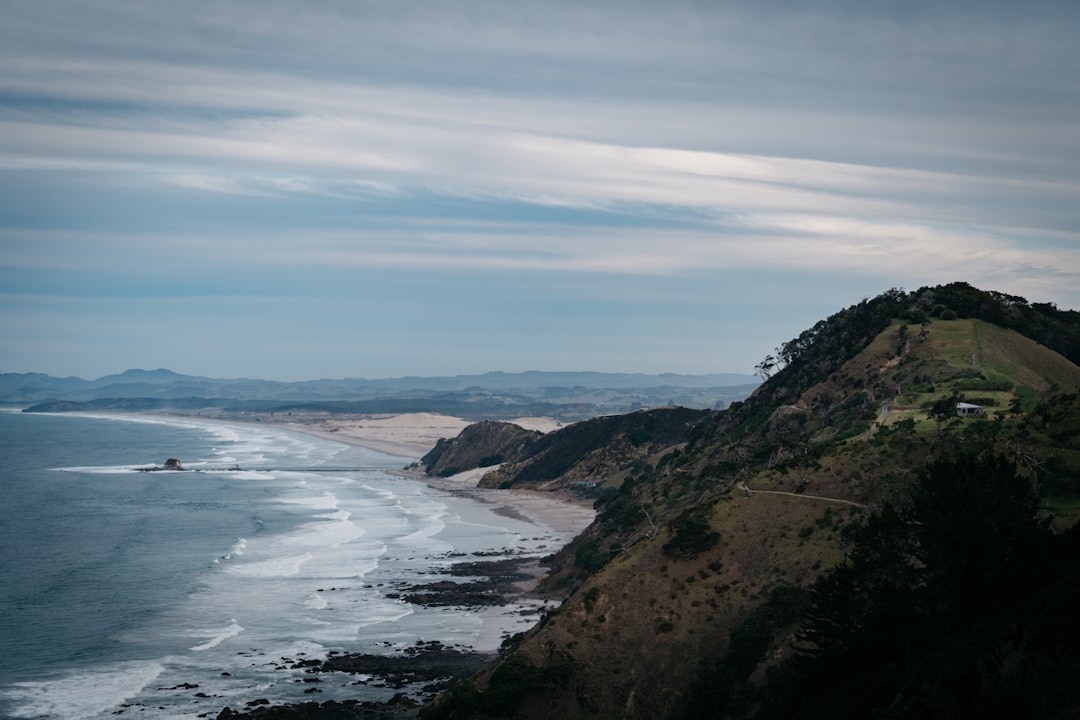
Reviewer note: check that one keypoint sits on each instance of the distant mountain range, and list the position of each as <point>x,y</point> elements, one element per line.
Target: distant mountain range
<point>570,395</point>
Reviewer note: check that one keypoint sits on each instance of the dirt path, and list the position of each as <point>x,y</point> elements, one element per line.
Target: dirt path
<point>748,492</point>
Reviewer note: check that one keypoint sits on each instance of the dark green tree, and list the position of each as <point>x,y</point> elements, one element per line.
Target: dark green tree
<point>954,606</point>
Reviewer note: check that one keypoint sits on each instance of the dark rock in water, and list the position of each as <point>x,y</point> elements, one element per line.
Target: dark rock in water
<point>423,670</point>
<point>431,662</point>
<point>170,464</point>
<point>497,588</point>
<point>397,708</point>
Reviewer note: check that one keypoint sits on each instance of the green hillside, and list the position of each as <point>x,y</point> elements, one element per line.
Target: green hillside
<point>702,585</point>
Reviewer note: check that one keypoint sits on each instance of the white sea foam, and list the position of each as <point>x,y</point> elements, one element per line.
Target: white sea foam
<point>83,695</point>
<point>307,561</point>
<point>216,635</point>
<point>106,469</point>
<point>335,529</point>
<point>378,615</point>
<point>326,501</point>
<point>275,567</point>
<point>247,475</point>
<point>316,601</point>
<point>235,550</point>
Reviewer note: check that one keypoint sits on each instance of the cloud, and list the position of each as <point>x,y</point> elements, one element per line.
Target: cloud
<point>684,154</point>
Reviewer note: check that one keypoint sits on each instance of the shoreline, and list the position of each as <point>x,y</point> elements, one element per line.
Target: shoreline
<point>413,435</point>
<point>559,512</point>
<point>491,588</point>
<point>410,436</point>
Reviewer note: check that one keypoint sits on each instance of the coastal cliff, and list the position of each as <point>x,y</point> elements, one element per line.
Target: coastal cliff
<point>482,444</point>
<point>713,581</point>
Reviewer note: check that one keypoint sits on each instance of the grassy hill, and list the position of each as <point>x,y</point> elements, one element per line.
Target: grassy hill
<point>707,560</point>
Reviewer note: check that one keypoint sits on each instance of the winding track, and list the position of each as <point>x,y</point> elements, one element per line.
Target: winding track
<point>748,491</point>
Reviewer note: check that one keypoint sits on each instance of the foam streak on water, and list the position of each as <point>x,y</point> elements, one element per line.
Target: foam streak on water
<point>129,588</point>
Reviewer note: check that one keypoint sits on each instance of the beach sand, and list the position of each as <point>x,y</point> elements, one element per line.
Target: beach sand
<point>409,435</point>
<point>560,511</point>
<point>412,435</point>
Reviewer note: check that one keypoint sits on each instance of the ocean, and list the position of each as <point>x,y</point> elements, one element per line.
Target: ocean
<point>175,594</point>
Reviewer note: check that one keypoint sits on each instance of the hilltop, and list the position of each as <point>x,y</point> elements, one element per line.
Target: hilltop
<point>713,580</point>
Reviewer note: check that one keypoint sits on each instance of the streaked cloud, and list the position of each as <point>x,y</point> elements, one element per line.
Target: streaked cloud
<point>577,146</point>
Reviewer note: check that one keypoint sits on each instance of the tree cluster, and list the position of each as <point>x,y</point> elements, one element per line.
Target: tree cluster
<point>959,605</point>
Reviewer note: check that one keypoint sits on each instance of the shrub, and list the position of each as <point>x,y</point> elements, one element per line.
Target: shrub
<point>692,535</point>
<point>590,598</point>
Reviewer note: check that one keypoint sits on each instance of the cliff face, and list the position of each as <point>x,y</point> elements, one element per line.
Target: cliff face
<point>688,590</point>
<point>481,444</point>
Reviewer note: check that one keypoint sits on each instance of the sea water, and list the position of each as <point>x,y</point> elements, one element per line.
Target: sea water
<point>123,590</point>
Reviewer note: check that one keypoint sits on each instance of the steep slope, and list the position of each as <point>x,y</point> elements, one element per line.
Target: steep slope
<point>585,453</point>
<point>592,451</point>
<point>481,444</point>
<point>696,574</point>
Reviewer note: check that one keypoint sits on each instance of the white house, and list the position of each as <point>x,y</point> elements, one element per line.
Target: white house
<point>964,409</point>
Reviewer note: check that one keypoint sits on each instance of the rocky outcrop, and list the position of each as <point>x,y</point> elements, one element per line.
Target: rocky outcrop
<point>481,444</point>
<point>170,464</point>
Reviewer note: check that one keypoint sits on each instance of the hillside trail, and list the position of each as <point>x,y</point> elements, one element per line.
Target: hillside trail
<point>883,415</point>
<point>745,488</point>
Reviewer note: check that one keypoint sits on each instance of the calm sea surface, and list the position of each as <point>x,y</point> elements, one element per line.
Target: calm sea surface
<point>119,588</point>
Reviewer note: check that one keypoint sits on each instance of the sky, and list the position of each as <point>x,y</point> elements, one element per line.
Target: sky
<point>326,189</point>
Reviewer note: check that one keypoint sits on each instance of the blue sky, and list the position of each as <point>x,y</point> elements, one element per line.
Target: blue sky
<point>295,190</point>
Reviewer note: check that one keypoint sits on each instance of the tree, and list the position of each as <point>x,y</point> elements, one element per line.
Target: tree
<point>956,605</point>
<point>944,408</point>
<point>765,368</point>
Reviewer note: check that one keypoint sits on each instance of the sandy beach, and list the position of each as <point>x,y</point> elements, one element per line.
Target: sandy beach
<point>412,435</point>
<point>409,435</point>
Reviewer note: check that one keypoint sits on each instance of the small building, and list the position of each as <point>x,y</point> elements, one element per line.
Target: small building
<point>964,409</point>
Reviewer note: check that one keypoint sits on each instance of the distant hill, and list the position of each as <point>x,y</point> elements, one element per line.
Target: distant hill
<point>839,544</point>
<point>145,377</point>
<point>567,395</point>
